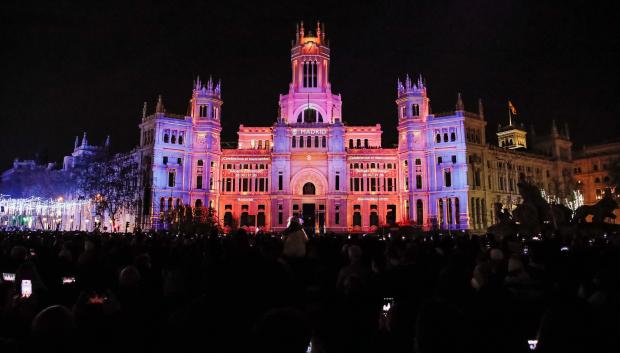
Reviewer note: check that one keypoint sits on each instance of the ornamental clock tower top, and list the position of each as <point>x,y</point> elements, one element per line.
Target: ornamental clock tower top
<point>310,99</point>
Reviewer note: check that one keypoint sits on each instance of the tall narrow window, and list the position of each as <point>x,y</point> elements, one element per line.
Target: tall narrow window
<point>309,141</point>
<point>419,212</point>
<point>440,213</point>
<point>350,143</point>
<point>337,181</point>
<point>357,216</point>
<point>337,215</point>
<point>324,142</point>
<point>457,211</point>
<point>280,180</point>
<point>301,141</point>
<point>314,74</point>
<point>294,142</point>
<point>171,178</point>
<point>448,177</point>
<point>280,215</point>
<point>316,141</point>
<point>199,182</point>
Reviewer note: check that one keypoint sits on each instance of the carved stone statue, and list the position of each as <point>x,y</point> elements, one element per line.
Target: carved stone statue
<point>534,213</point>
<point>599,211</point>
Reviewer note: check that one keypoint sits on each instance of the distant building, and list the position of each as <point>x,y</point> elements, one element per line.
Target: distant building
<point>83,153</point>
<point>593,169</point>
<point>337,176</point>
<point>442,173</point>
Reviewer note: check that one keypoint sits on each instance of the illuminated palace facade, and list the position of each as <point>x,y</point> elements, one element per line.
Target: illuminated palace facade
<point>337,176</point>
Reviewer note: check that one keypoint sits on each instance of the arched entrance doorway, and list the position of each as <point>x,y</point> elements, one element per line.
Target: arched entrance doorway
<point>309,187</point>
<point>308,210</point>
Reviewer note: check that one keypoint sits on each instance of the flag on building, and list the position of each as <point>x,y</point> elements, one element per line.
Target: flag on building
<point>512,108</point>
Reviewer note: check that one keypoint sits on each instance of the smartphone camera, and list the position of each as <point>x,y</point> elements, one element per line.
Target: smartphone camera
<point>8,277</point>
<point>532,344</point>
<point>564,248</point>
<point>26,288</point>
<point>526,249</point>
<point>388,303</point>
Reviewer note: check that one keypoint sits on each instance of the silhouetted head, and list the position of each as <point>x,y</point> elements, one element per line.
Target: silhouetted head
<point>53,329</point>
<point>282,330</point>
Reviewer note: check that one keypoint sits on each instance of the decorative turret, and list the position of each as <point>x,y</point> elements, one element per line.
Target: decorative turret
<point>84,140</point>
<point>480,109</point>
<point>309,99</point>
<point>512,136</point>
<point>144,111</point>
<point>412,101</point>
<point>159,107</point>
<point>106,144</point>
<point>206,102</point>
<point>310,60</point>
<point>459,102</point>
<point>554,128</point>
<point>76,143</point>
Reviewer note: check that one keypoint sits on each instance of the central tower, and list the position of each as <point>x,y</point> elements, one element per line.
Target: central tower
<point>310,99</point>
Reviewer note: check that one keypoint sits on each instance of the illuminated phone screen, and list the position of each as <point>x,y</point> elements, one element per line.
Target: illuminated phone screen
<point>26,288</point>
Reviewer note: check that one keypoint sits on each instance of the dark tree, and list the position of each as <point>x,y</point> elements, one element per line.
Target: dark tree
<point>112,184</point>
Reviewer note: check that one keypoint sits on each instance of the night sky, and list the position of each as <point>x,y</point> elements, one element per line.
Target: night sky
<point>69,67</point>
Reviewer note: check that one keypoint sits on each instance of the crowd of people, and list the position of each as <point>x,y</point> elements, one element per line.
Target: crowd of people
<point>429,292</point>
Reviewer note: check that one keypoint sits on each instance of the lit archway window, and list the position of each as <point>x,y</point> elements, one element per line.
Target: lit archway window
<point>310,115</point>
<point>309,189</point>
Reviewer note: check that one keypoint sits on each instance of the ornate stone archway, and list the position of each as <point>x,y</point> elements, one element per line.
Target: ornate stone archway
<point>309,175</point>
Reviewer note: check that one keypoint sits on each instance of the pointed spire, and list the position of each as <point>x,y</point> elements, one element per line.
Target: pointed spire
<point>566,131</point>
<point>554,128</point>
<point>459,102</point>
<point>106,144</point>
<point>197,84</point>
<point>302,31</point>
<point>84,140</point>
<point>218,87</point>
<point>480,109</point>
<point>318,29</point>
<point>322,32</point>
<point>399,86</point>
<point>144,111</point>
<point>210,83</point>
<point>408,82</point>
<point>77,142</point>
<point>159,108</point>
<point>420,82</point>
